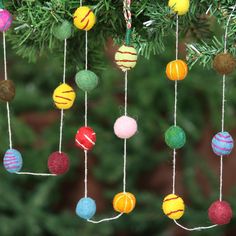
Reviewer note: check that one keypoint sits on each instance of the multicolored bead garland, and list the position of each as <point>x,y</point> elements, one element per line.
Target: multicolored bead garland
<point>173,206</point>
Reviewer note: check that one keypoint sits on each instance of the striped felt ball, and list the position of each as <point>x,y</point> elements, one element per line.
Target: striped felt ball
<point>126,57</point>
<point>64,96</point>
<point>85,138</point>
<point>176,70</point>
<point>84,18</point>
<point>173,206</point>
<point>5,20</point>
<point>124,202</point>
<point>222,144</point>
<point>12,161</point>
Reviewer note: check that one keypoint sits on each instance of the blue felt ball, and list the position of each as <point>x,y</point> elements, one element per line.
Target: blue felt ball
<point>12,161</point>
<point>86,208</point>
<point>222,144</point>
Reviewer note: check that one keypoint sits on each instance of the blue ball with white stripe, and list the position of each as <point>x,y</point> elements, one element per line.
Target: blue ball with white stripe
<point>12,161</point>
<point>222,143</point>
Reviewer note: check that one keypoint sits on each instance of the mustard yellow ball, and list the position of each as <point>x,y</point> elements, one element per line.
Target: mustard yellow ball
<point>64,96</point>
<point>181,7</point>
<point>173,206</point>
<point>84,18</point>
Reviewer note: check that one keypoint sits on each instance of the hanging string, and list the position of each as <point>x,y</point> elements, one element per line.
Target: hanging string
<point>196,228</point>
<point>34,174</point>
<point>106,219</point>
<point>223,101</point>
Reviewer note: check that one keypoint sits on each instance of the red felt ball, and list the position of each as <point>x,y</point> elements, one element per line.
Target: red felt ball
<point>220,213</point>
<point>85,138</point>
<point>58,163</point>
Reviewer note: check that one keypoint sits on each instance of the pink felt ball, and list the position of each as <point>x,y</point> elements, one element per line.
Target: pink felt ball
<point>220,213</point>
<point>125,127</point>
<point>5,20</point>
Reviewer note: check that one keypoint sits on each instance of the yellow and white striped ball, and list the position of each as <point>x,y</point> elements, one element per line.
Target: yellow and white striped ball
<point>181,7</point>
<point>84,18</point>
<point>126,57</point>
<point>124,202</point>
<point>64,96</point>
<point>173,206</point>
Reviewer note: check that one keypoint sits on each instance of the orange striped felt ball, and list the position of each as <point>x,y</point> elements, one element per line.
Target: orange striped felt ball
<point>126,57</point>
<point>124,202</point>
<point>177,70</point>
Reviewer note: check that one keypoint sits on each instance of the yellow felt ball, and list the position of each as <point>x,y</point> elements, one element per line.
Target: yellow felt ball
<point>181,7</point>
<point>126,57</point>
<point>64,96</point>
<point>124,202</point>
<point>84,18</point>
<point>173,206</point>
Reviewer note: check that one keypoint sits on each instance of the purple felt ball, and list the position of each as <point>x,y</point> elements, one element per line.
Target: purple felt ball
<point>5,20</point>
<point>125,127</point>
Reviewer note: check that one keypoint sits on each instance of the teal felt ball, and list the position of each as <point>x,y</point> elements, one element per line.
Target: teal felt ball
<point>86,80</point>
<point>63,31</point>
<point>86,208</point>
<point>175,137</point>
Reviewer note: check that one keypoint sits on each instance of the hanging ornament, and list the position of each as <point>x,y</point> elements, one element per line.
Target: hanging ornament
<point>224,63</point>
<point>177,70</point>
<point>7,90</point>
<point>12,161</point>
<point>175,137</point>
<point>86,208</point>
<point>124,202</point>
<point>58,163</point>
<point>5,20</point>
<point>63,31</point>
<point>181,7</point>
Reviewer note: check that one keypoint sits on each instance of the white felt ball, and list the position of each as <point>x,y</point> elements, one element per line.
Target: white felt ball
<point>125,127</point>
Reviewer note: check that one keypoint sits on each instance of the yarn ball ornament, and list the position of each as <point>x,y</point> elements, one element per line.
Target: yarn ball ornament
<point>64,96</point>
<point>85,138</point>
<point>173,206</point>
<point>5,20</point>
<point>181,7</point>
<point>125,127</point>
<point>124,202</point>
<point>222,144</point>
<point>84,18</point>
<point>86,208</point>
<point>7,90</point>
<point>86,80</point>
<point>224,63</point>
<point>58,163</point>
<point>175,137</point>
<point>12,161</point>
<point>126,57</point>
<point>63,31</point>
<point>177,70</point>
<point>220,213</point>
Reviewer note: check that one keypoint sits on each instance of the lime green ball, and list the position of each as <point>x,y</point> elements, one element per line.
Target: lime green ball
<point>86,80</point>
<point>63,31</point>
<point>175,137</point>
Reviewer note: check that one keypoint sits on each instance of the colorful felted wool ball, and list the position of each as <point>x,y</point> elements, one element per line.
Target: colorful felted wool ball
<point>63,31</point>
<point>86,208</point>
<point>124,202</point>
<point>222,144</point>
<point>12,161</point>
<point>176,70</point>
<point>85,138</point>
<point>125,127</point>
<point>220,213</point>
<point>181,7</point>
<point>175,137</point>
<point>64,96</point>
<point>58,163</point>
<point>173,206</point>
<point>86,80</point>
<point>84,18</point>
<point>224,63</point>
<point>7,90</point>
<point>126,57</point>
<point>5,20</point>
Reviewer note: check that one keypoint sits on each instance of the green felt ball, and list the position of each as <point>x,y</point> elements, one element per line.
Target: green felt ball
<point>175,137</point>
<point>63,31</point>
<point>86,80</point>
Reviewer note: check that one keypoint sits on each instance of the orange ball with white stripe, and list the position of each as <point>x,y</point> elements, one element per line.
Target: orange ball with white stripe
<point>64,96</point>
<point>177,70</point>
<point>124,202</point>
<point>126,57</point>
<point>84,18</point>
<point>173,206</point>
